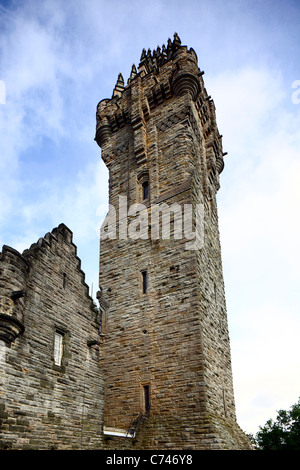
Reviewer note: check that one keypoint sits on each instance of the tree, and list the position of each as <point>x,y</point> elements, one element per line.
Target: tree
<point>283,433</point>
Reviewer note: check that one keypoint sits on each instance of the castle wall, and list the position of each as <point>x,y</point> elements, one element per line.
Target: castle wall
<point>44,405</point>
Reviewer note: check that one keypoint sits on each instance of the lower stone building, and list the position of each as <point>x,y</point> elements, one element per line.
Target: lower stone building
<point>51,386</point>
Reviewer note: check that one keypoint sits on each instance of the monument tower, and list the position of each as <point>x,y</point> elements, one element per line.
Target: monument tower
<point>166,351</point>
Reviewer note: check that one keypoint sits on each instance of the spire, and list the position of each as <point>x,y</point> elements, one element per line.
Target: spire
<point>164,55</point>
<point>143,56</point>
<point>177,41</point>
<point>119,86</point>
<point>151,60</point>
<point>133,73</point>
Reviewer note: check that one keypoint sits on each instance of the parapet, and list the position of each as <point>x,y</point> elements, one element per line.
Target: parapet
<point>181,77</point>
<point>14,274</point>
<point>62,232</point>
<point>162,74</point>
<point>45,241</point>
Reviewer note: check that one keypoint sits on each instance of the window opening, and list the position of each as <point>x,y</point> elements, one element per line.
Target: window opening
<point>145,187</point>
<point>224,402</point>
<point>58,348</point>
<point>144,281</point>
<point>146,397</point>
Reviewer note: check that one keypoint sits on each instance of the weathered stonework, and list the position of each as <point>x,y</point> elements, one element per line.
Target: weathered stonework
<point>44,405</point>
<point>166,354</point>
<point>160,338</point>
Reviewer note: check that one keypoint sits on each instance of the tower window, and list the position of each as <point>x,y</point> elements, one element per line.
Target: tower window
<point>145,189</point>
<point>144,275</point>
<point>146,398</point>
<point>58,348</point>
<point>224,402</point>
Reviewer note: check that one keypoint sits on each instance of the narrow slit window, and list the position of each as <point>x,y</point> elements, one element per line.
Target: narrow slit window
<point>144,281</point>
<point>145,189</point>
<point>146,397</point>
<point>224,402</point>
<point>58,348</point>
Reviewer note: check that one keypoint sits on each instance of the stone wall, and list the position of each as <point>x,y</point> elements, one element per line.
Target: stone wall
<point>44,405</point>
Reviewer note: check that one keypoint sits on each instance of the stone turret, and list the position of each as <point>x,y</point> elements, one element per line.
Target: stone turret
<point>13,279</point>
<point>162,74</point>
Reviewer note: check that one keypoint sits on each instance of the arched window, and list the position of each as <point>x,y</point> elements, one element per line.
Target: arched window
<point>143,187</point>
<point>58,347</point>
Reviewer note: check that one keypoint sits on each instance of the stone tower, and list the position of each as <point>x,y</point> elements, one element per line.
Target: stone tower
<point>166,353</point>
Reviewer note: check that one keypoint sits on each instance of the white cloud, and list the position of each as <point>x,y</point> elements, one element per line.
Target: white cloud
<point>258,206</point>
<point>45,75</point>
<point>266,363</point>
<point>259,196</point>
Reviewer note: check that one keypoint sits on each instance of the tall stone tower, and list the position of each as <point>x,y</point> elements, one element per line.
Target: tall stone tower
<point>166,352</point>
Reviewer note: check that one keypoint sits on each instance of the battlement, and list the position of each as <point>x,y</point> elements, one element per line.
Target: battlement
<point>46,241</point>
<point>164,93</point>
<point>152,61</point>
<point>60,233</point>
<point>180,75</point>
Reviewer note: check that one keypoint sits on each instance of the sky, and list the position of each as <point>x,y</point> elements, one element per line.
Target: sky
<point>59,58</point>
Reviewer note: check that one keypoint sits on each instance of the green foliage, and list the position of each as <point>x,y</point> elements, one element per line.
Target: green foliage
<point>283,433</point>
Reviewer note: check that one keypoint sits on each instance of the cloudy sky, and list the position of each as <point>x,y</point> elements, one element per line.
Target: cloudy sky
<point>59,58</point>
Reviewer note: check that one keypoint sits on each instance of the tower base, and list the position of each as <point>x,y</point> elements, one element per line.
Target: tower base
<point>156,433</point>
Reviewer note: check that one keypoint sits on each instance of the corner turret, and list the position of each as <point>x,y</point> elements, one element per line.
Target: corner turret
<point>13,278</point>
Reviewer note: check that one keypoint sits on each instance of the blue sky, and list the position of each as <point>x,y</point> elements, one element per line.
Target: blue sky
<point>59,58</point>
